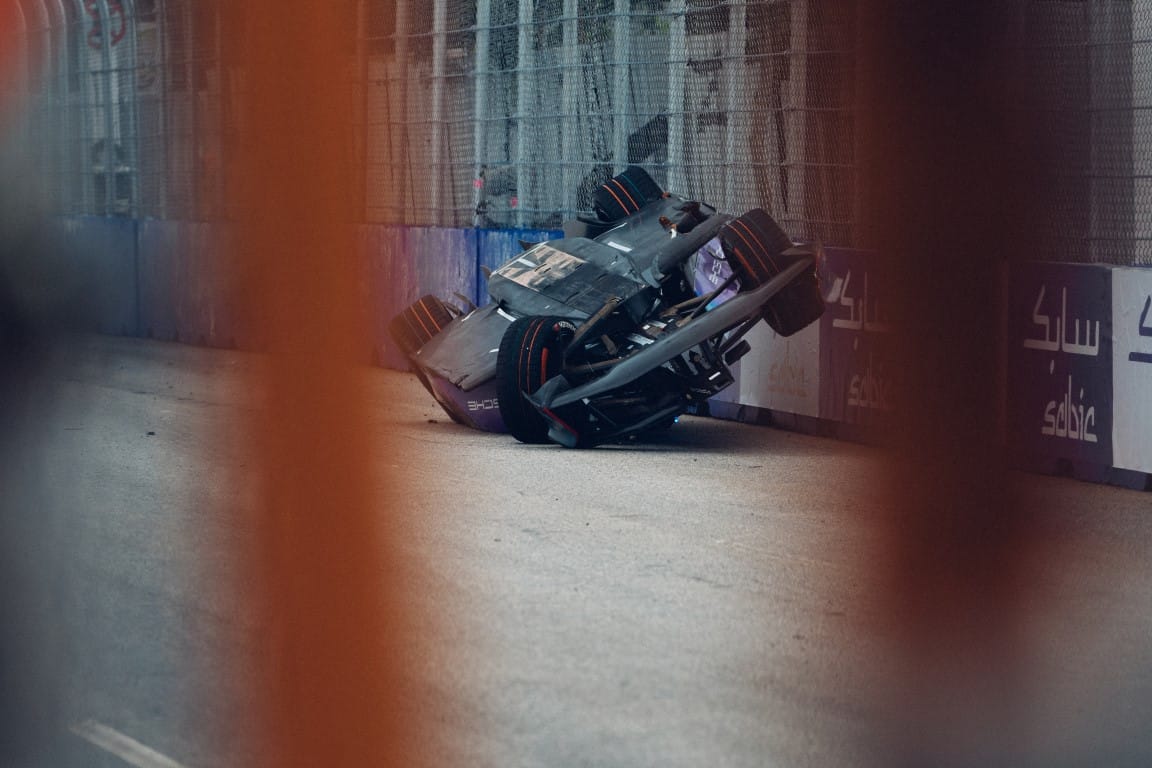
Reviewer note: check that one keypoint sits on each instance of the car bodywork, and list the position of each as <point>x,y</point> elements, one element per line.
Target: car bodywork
<point>643,310</point>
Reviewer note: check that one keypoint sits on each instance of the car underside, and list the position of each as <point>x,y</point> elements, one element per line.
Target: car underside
<point>634,317</point>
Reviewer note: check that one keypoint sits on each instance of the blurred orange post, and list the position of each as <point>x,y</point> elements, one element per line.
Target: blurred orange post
<point>943,179</point>
<point>326,576</point>
<point>12,42</point>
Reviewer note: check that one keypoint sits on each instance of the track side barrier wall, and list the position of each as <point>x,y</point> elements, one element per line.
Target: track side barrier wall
<point>101,252</point>
<point>1077,354</point>
<point>185,290</point>
<point>496,246</point>
<point>404,264</point>
<point>1077,339</point>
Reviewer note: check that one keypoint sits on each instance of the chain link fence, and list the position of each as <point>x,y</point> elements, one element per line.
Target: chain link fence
<point>1086,78</point>
<point>509,113</point>
<point>522,109</point>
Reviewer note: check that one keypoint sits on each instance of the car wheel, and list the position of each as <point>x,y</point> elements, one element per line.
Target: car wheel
<point>754,243</point>
<point>419,322</point>
<point>625,194</point>
<point>531,352</point>
<point>413,328</point>
<point>756,248</point>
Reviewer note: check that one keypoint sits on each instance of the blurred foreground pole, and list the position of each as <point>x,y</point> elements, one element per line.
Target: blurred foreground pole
<point>941,171</point>
<point>326,577</point>
<point>28,696</point>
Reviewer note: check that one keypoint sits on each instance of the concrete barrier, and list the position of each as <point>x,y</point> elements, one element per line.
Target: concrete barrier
<point>101,252</point>
<point>1059,348</point>
<point>1132,370</point>
<point>403,264</point>
<point>1077,344</point>
<point>1077,339</point>
<point>186,291</point>
<point>832,378</point>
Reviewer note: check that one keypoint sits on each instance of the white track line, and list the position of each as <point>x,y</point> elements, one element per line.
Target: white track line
<point>124,747</point>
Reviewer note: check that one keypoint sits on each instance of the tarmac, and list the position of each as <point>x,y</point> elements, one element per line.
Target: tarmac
<point>715,594</point>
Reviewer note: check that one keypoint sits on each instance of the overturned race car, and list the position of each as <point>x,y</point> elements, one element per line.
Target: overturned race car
<point>631,319</point>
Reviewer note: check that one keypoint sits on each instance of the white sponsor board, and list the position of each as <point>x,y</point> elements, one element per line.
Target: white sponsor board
<point>780,373</point>
<point>1132,369</point>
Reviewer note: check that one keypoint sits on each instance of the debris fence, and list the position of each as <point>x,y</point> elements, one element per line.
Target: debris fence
<point>508,113</point>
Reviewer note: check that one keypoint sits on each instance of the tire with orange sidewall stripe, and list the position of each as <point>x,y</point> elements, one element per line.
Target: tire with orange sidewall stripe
<point>416,325</point>
<point>531,352</point>
<point>754,244</point>
<point>625,194</point>
<point>413,328</point>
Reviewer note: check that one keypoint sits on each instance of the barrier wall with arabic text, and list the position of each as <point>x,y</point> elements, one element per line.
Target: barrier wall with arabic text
<point>1077,349</point>
<point>1077,338</point>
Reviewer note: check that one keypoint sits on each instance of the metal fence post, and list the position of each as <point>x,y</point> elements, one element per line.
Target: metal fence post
<point>735,133</point>
<point>108,95</point>
<point>131,142</point>
<point>162,105</point>
<point>20,86</point>
<point>82,160</point>
<point>402,124</point>
<point>677,47</point>
<point>621,52</point>
<point>36,97</point>
<point>441,172</point>
<point>480,100</point>
<point>796,115</point>
<point>569,113</point>
<point>525,90</point>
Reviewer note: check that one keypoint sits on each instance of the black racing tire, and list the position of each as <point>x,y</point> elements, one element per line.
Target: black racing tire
<point>625,194</point>
<point>753,244</point>
<point>531,352</point>
<point>796,307</point>
<point>413,328</point>
<point>418,323</point>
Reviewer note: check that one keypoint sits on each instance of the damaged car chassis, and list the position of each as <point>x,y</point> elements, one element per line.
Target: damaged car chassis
<point>633,318</point>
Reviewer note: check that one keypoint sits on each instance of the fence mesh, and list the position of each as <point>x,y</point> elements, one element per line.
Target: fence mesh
<point>508,113</point>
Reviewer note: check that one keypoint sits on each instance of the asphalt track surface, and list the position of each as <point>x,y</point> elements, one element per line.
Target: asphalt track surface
<point>707,597</point>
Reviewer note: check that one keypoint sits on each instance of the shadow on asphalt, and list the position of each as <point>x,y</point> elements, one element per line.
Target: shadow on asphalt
<point>693,434</point>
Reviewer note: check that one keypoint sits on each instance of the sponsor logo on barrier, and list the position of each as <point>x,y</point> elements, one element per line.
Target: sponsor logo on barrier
<point>116,20</point>
<point>1060,366</point>
<point>1132,368</point>
<point>788,378</point>
<point>779,373</point>
<point>864,311</point>
<point>858,382</point>
<point>1143,328</point>
<point>1055,335</point>
<point>871,388</point>
<point>1064,416</point>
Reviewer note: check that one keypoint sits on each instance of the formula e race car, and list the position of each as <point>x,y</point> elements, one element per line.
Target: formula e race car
<point>631,319</point>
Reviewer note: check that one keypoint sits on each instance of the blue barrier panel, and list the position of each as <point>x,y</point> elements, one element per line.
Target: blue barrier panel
<point>388,275</point>
<point>404,264</point>
<point>186,294</point>
<point>1060,369</point>
<point>496,246</point>
<point>102,250</point>
<point>445,261</point>
<point>160,249</point>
